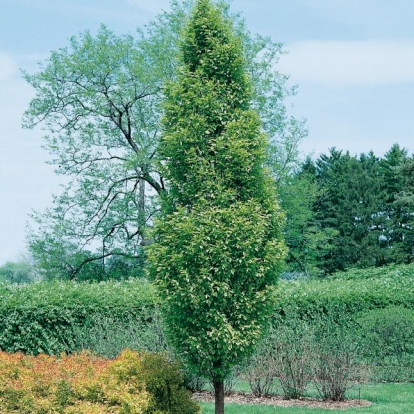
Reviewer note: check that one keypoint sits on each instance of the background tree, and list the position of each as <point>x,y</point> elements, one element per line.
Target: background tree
<point>218,244</point>
<point>359,216</point>
<point>100,103</point>
<point>307,240</point>
<point>397,211</point>
<point>19,272</point>
<point>57,255</point>
<point>404,201</point>
<point>349,204</point>
<point>100,99</point>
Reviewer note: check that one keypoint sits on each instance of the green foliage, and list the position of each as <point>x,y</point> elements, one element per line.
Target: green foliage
<point>17,272</point>
<point>218,242</point>
<point>388,342</point>
<point>107,317</point>
<point>47,317</point>
<point>377,301</point>
<point>307,241</point>
<point>107,335</point>
<point>165,382</point>
<point>398,206</point>
<point>363,212</point>
<point>349,203</point>
<point>226,249</point>
<point>98,141</point>
<point>56,257</point>
<point>354,291</point>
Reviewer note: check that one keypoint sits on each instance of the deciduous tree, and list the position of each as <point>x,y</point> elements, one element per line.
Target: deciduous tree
<point>99,99</point>
<point>20,272</point>
<point>218,243</point>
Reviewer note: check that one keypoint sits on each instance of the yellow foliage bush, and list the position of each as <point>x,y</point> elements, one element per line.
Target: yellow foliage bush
<point>85,384</point>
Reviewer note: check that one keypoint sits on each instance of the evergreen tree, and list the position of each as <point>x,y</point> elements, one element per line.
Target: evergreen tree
<point>349,204</point>
<point>307,241</point>
<point>405,202</point>
<point>218,246</point>
<point>396,209</point>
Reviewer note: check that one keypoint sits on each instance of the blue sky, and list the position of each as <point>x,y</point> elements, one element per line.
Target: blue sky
<point>353,61</point>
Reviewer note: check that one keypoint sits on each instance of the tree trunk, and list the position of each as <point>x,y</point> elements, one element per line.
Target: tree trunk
<point>219,396</point>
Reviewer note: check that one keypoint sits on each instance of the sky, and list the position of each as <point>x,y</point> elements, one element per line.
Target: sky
<point>353,62</point>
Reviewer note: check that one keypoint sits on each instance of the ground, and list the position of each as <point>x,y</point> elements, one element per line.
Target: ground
<point>241,398</point>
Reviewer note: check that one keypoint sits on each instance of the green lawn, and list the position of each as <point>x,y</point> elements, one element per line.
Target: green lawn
<point>386,399</point>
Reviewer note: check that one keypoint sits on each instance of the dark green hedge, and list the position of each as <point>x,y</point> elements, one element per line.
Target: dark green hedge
<point>354,291</point>
<point>42,317</point>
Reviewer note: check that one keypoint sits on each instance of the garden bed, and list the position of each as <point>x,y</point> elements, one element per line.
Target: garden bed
<point>277,401</point>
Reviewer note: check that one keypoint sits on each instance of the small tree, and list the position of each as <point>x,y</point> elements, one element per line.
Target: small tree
<point>219,243</point>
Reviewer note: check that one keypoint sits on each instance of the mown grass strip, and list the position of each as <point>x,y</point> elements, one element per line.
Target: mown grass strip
<point>386,399</point>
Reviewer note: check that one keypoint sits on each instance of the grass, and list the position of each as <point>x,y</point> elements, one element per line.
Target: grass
<point>386,399</point>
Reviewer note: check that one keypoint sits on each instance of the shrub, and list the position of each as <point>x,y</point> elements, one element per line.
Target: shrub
<point>46,384</point>
<point>388,343</point>
<point>47,317</point>
<point>192,381</point>
<point>107,335</point>
<point>164,381</point>
<point>323,350</point>
<point>335,366</point>
<point>55,317</point>
<point>293,344</point>
<point>352,292</point>
<point>230,382</point>
<point>259,371</point>
<point>82,383</point>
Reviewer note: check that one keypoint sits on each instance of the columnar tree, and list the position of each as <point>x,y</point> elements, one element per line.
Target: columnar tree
<point>218,243</point>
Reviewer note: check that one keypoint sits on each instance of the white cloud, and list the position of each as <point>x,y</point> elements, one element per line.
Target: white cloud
<point>8,67</point>
<point>349,62</point>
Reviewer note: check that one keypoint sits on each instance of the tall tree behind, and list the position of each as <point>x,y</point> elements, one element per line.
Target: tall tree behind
<point>397,208</point>
<point>218,242</point>
<point>308,241</point>
<point>349,204</point>
<point>405,201</point>
<point>99,99</point>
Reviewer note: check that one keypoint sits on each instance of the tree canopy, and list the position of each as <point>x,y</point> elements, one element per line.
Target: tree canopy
<point>364,210</point>
<point>100,100</point>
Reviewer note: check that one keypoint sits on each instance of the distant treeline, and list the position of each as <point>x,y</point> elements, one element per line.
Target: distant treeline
<point>348,211</point>
<point>342,212</point>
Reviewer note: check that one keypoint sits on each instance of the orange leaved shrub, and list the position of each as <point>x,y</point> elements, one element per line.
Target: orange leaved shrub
<point>82,383</point>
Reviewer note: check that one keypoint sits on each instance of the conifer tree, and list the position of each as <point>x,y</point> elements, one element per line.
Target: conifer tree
<point>218,243</point>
